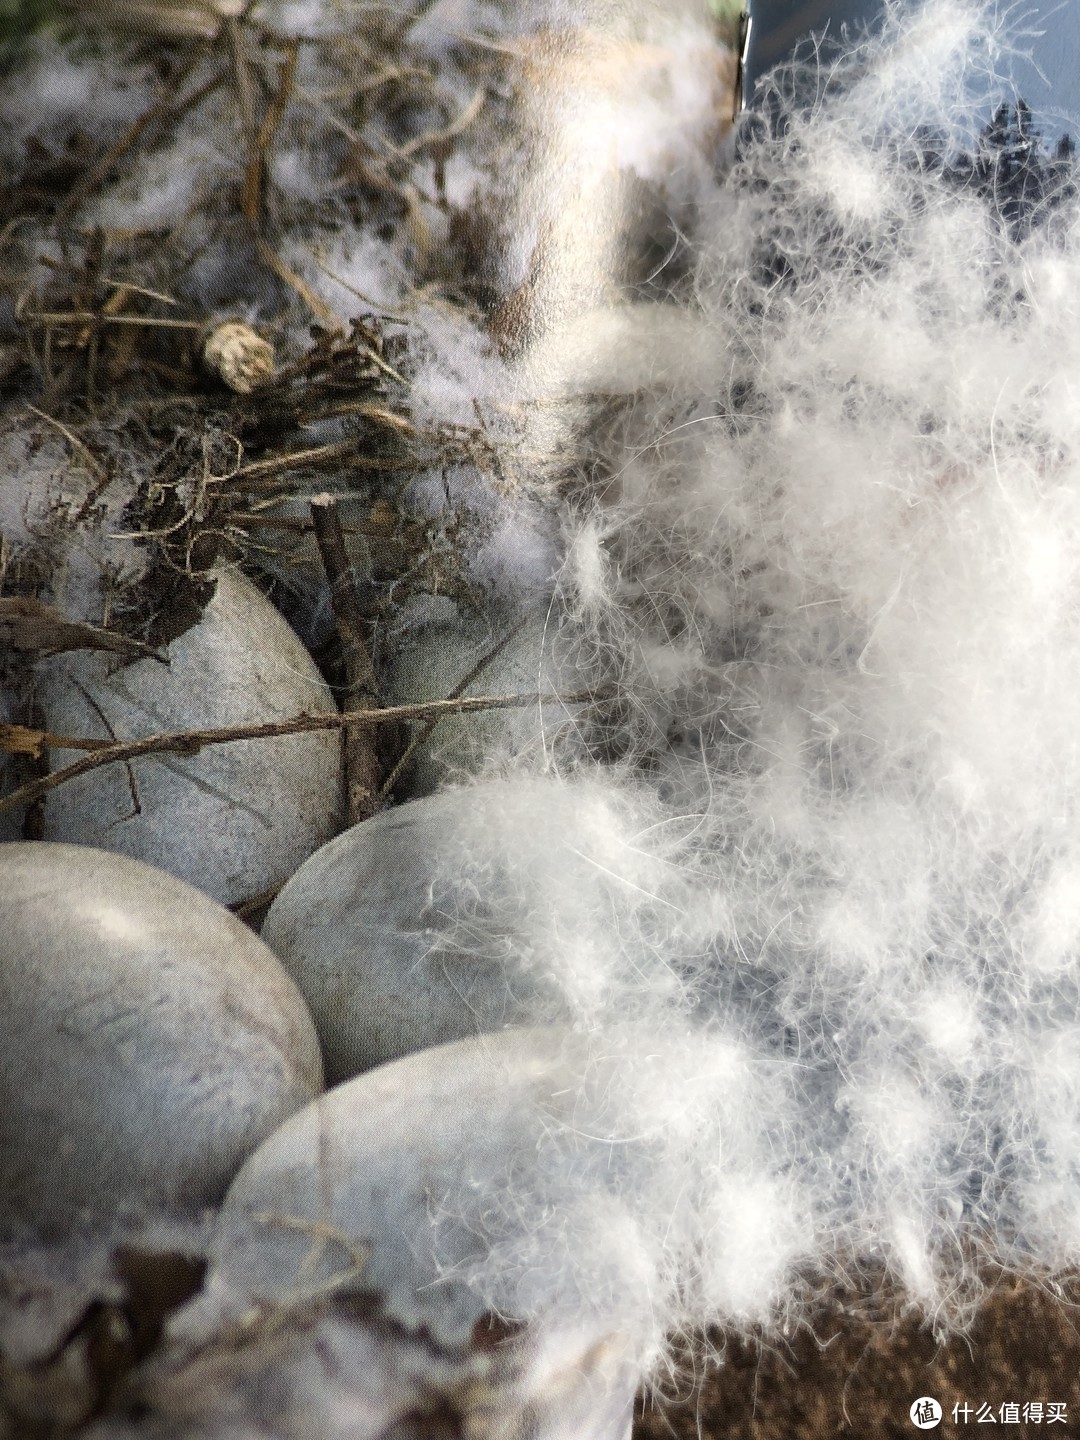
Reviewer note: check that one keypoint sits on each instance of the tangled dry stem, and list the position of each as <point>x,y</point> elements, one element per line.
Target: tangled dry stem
<point>23,740</point>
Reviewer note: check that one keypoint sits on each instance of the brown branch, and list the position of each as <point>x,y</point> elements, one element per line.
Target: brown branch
<point>242,75</point>
<point>99,317</point>
<point>166,106</point>
<point>440,137</point>
<point>344,602</point>
<point>133,789</point>
<point>319,308</point>
<point>279,100</point>
<point>133,289</point>
<point>73,440</point>
<point>363,772</point>
<point>245,909</point>
<point>319,455</point>
<point>31,765</point>
<point>368,412</point>
<point>190,742</point>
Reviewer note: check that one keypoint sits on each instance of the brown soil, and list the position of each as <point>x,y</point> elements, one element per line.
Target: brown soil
<point>857,1378</point>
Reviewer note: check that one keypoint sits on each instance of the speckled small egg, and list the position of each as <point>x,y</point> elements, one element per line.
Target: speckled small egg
<point>361,929</point>
<point>148,1041</point>
<point>234,819</point>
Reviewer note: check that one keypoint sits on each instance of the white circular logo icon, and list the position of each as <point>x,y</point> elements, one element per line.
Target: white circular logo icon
<point>925,1413</point>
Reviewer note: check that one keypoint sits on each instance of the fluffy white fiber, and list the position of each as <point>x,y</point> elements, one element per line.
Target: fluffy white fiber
<point>819,911</point>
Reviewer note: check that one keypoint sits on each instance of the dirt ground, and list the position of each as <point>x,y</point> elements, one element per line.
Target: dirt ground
<point>860,1379</point>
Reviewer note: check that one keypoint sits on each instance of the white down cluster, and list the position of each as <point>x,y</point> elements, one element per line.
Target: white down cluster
<point>823,908</point>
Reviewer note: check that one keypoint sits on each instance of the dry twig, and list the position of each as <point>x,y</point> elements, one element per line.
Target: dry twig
<point>95,317</point>
<point>190,742</point>
<point>165,107</point>
<point>318,308</point>
<point>362,769</point>
<point>251,199</point>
